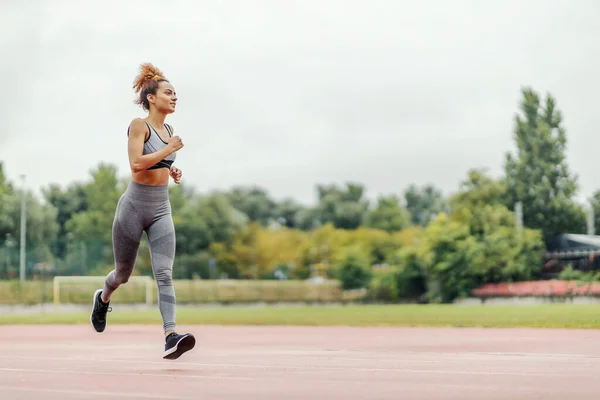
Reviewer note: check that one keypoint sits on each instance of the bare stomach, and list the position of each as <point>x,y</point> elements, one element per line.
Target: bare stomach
<point>154,177</point>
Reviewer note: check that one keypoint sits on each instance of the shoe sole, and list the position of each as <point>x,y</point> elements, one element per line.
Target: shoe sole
<point>93,308</point>
<point>184,344</point>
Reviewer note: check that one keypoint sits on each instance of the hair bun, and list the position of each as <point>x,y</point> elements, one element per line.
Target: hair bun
<point>147,73</point>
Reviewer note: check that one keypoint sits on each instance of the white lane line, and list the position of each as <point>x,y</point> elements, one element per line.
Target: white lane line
<point>88,393</point>
<point>281,367</point>
<point>139,374</point>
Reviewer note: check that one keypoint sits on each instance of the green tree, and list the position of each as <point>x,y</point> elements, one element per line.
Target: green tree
<point>389,215</point>
<point>423,203</point>
<point>90,231</point>
<point>447,253</point>
<point>205,220</point>
<point>179,197</point>
<point>254,202</point>
<point>538,174</point>
<point>479,204</point>
<point>101,195</point>
<point>308,218</point>
<point>345,207</point>
<point>477,243</point>
<point>287,212</point>
<point>6,223</point>
<point>502,252</point>
<point>595,204</point>
<point>67,202</point>
<point>41,225</point>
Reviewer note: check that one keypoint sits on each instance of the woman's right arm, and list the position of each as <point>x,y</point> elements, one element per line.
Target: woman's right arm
<point>137,135</point>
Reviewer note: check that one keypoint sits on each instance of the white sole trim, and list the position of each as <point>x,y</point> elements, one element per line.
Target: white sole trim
<point>176,347</point>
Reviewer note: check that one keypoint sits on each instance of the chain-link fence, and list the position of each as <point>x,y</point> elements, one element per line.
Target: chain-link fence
<point>59,258</point>
<point>190,291</point>
<point>197,278</point>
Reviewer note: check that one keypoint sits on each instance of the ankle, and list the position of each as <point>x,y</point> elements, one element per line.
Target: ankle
<point>167,333</point>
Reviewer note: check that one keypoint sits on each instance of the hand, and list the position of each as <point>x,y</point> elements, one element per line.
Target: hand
<point>175,174</point>
<point>174,143</point>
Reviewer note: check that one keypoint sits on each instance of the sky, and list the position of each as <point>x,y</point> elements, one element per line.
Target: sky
<point>289,94</point>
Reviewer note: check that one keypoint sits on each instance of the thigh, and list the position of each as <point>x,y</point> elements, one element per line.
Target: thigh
<point>127,230</point>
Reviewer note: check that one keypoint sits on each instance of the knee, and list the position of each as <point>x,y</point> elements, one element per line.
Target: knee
<point>164,277</point>
<point>120,278</point>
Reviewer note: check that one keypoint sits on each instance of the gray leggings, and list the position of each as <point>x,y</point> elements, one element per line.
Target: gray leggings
<point>144,208</point>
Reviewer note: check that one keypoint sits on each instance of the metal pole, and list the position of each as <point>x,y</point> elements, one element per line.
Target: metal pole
<point>519,216</point>
<point>590,220</point>
<point>23,228</point>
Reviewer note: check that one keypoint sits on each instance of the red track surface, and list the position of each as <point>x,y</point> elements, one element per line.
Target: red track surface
<point>73,362</point>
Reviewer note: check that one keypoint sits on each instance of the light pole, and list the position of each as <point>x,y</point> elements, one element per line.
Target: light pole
<point>519,216</point>
<point>591,228</point>
<point>23,227</point>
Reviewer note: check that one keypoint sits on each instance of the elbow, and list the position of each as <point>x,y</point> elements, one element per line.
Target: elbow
<point>136,167</point>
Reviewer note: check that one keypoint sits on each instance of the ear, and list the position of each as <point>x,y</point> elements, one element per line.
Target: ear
<point>150,98</point>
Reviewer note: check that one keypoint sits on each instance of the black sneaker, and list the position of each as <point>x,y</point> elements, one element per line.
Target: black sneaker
<point>99,310</point>
<point>176,345</point>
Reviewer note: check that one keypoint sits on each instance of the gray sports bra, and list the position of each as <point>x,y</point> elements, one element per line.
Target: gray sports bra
<point>155,143</point>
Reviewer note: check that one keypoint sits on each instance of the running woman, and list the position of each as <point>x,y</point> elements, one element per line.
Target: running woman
<point>145,207</point>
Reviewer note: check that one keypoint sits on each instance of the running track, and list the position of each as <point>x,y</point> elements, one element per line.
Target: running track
<point>74,362</point>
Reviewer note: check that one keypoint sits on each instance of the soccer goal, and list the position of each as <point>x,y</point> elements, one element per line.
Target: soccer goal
<point>80,288</point>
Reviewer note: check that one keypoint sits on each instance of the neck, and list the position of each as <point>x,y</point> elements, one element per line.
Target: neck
<point>156,118</point>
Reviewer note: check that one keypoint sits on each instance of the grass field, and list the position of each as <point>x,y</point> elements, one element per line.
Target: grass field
<point>535,316</point>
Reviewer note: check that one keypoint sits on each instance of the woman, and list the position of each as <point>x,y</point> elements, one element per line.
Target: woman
<point>145,207</point>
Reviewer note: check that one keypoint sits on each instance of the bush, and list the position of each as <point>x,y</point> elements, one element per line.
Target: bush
<point>411,279</point>
<point>226,261</point>
<point>383,286</point>
<point>448,254</point>
<point>353,270</point>
<point>571,274</point>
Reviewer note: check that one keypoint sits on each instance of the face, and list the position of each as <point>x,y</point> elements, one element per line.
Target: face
<point>165,98</point>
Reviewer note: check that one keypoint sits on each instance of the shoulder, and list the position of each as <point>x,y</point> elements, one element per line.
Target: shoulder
<point>137,123</point>
<point>137,128</point>
<point>170,128</point>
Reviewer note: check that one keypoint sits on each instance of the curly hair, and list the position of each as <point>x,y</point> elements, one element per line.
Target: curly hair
<point>146,82</point>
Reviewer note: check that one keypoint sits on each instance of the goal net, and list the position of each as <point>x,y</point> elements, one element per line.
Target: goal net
<point>80,289</point>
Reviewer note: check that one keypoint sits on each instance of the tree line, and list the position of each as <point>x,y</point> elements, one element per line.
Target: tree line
<point>412,243</point>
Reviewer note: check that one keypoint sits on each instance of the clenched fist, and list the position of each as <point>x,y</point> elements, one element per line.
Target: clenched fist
<point>174,143</point>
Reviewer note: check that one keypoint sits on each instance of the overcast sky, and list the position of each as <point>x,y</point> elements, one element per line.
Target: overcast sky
<point>286,94</point>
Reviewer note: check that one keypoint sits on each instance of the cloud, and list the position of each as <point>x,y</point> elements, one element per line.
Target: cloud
<point>290,94</point>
